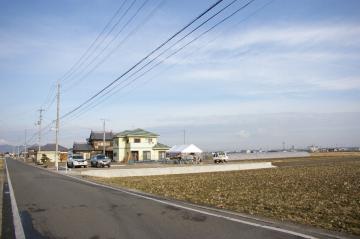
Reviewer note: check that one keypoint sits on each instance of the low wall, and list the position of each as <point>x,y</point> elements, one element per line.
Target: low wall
<point>109,173</point>
<point>269,155</point>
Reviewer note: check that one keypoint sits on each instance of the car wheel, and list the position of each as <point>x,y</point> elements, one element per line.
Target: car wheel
<point>109,165</point>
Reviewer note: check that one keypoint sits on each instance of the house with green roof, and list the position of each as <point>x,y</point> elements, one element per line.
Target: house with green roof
<point>137,145</point>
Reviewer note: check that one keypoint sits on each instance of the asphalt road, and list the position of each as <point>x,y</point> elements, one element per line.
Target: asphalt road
<point>56,206</point>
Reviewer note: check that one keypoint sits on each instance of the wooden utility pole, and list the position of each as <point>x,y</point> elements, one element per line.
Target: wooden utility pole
<point>57,128</point>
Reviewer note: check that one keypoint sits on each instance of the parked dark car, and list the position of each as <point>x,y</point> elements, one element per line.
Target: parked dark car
<point>100,160</point>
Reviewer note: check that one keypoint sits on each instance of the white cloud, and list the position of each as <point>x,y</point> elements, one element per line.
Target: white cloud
<point>3,141</point>
<point>339,35</point>
<point>349,83</point>
<point>276,59</point>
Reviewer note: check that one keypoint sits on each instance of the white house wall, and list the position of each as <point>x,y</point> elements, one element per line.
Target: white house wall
<point>121,148</point>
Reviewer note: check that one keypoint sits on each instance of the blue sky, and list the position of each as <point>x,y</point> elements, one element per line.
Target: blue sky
<point>276,71</point>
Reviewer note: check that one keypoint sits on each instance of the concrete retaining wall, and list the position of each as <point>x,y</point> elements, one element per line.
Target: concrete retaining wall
<point>268,155</point>
<point>109,173</point>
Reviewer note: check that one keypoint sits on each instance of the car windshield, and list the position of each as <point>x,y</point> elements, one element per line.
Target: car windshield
<point>78,157</point>
<point>101,157</point>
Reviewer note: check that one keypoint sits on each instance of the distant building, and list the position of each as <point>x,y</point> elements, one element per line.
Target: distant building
<point>49,150</point>
<point>95,145</point>
<point>85,149</point>
<point>137,145</point>
<point>31,152</point>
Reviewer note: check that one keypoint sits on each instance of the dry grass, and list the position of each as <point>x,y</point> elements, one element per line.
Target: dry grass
<point>335,154</point>
<point>323,192</point>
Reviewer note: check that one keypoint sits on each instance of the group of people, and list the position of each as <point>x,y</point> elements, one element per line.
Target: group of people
<point>191,158</point>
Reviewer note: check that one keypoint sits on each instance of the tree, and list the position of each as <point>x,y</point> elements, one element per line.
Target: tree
<point>44,159</point>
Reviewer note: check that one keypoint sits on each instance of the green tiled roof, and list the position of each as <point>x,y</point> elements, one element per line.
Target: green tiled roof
<point>136,132</point>
<point>161,146</point>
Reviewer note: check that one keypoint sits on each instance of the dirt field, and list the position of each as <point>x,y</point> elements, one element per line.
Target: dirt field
<point>318,191</point>
<point>335,154</point>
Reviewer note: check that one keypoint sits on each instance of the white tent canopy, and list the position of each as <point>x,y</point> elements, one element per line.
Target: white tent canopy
<point>185,149</point>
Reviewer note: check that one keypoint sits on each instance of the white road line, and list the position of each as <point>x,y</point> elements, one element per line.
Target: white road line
<point>19,230</point>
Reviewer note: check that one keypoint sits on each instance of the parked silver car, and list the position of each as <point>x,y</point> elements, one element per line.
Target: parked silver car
<point>100,160</point>
<point>76,161</point>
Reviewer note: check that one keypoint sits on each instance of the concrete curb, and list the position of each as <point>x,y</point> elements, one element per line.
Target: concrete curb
<point>108,173</point>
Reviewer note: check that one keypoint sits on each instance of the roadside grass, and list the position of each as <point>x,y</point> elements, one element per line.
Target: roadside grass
<point>322,192</point>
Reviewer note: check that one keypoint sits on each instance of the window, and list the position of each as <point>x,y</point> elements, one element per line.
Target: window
<point>146,155</point>
<point>137,140</point>
<point>150,140</point>
<point>114,154</point>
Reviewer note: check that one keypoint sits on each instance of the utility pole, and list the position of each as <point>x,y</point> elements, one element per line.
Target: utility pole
<point>57,128</point>
<point>104,135</point>
<point>25,146</point>
<point>184,135</point>
<point>39,124</point>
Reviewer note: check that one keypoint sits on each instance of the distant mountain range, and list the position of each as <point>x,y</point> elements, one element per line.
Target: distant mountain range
<point>9,148</point>
<point>6,148</point>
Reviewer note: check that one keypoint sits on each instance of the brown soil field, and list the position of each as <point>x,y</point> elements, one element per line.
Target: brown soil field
<point>335,154</point>
<point>318,191</point>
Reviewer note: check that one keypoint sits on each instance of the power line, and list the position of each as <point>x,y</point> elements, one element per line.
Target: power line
<point>143,59</point>
<point>181,47</point>
<point>49,96</point>
<point>145,20</point>
<point>105,48</point>
<point>71,70</point>
<point>82,111</point>
<point>48,103</point>
<point>178,41</point>
<point>178,50</point>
